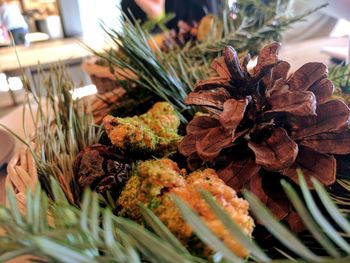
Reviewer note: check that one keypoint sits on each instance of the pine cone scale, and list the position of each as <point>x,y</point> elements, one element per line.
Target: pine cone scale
<point>307,75</point>
<point>313,164</point>
<point>238,174</point>
<point>207,149</point>
<point>297,103</point>
<point>332,116</point>
<point>333,143</point>
<point>323,90</point>
<point>200,124</point>
<point>209,98</point>
<point>277,152</point>
<point>233,113</point>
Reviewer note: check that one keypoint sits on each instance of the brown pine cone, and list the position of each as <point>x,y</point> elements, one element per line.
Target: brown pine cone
<point>102,169</point>
<point>264,124</point>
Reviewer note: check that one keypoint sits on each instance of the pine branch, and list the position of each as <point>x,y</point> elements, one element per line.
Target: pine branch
<point>66,125</point>
<point>256,25</point>
<point>59,232</point>
<point>171,76</point>
<point>159,78</point>
<point>340,76</point>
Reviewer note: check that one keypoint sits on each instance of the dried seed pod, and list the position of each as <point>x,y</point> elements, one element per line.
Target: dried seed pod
<point>209,24</point>
<point>102,169</point>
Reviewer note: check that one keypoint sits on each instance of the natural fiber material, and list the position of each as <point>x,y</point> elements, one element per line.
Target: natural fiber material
<point>102,104</point>
<point>22,172</point>
<point>22,175</point>
<point>102,76</point>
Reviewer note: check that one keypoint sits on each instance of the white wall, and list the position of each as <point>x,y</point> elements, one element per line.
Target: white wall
<point>91,11</point>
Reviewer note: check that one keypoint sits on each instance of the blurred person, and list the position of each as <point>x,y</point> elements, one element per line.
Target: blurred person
<point>12,18</point>
<point>188,11</point>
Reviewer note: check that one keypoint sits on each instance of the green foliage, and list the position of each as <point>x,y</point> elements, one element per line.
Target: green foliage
<point>257,24</point>
<point>319,224</point>
<point>340,76</point>
<point>154,75</point>
<point>55,230</point>
<point>170,76</point>
<point>61,122</point>
<point>60,232</point>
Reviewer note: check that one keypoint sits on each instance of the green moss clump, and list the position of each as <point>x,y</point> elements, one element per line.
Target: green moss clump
<point>154,132</point>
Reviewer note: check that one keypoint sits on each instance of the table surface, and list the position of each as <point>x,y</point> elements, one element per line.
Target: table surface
<point>44,52</point>
<point>297,54</point>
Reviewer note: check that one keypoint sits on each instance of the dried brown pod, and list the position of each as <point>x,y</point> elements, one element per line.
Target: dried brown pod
<point>169,40</point>
<point>208,26</point>
<point>100,168</point>
<point>265,121</point>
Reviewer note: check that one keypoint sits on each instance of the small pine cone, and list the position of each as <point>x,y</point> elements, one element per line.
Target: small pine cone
<point>102,169</point>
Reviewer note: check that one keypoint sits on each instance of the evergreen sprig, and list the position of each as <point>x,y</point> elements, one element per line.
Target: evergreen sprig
<point>148,71</point>
<point>63,127</point>
<point>57,231</point>
<point>170,76</point>
<point>340,76</point>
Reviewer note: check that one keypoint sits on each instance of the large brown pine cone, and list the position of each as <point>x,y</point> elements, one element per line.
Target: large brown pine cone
<point>265,122</point>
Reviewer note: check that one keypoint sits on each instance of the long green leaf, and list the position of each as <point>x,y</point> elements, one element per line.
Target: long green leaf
<point>60,252</point>
<point>13,207</point>
<point>94,217</point>
<point>150,243</point>
<point>86,202</point>
<point>204,233</point>
<point>29,207</point>
<point>129,247</point>
<point>16,253</point>
<point>161,230</point>
<point>36,207</point>
<point>109,237</point>
<point>58,193</point>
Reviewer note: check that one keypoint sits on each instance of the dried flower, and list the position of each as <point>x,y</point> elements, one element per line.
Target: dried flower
<point>264,122</point>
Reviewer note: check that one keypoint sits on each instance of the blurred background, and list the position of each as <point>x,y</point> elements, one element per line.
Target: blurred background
<point>54,26</point>
<point>54,29</point>
<point>44,32</point>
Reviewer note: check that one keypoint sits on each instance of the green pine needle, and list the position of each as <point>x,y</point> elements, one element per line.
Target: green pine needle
<point>280,231</point>
<point>204,233</point>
